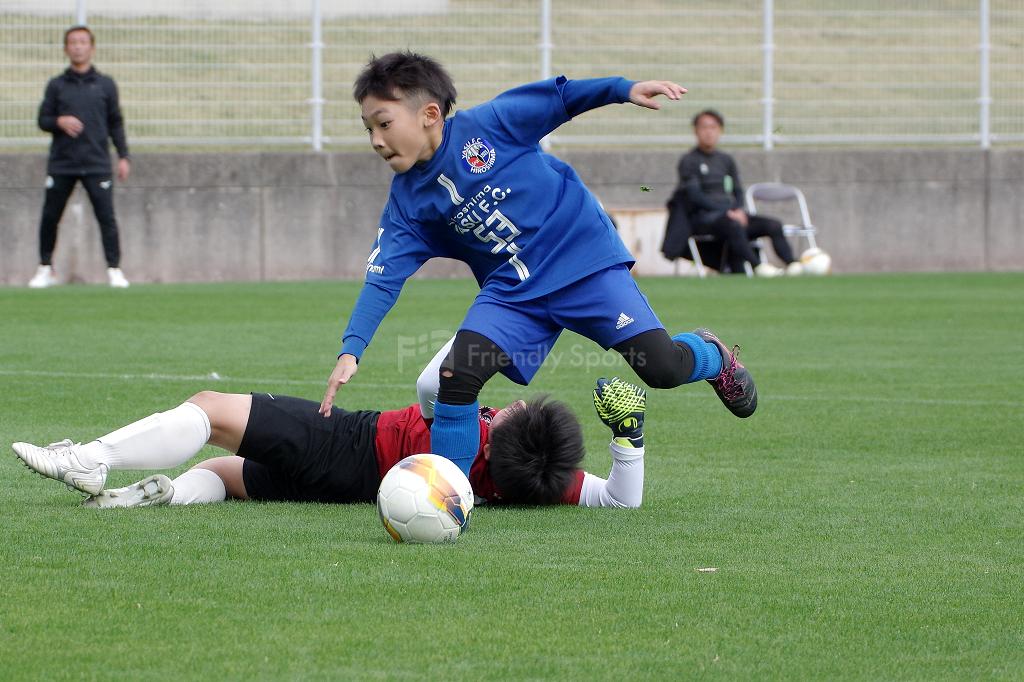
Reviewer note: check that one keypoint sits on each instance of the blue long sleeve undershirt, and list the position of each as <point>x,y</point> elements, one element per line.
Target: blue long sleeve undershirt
<point>373,304</point>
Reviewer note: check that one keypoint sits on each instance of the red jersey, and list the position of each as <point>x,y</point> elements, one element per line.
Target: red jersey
<point>401,433</point>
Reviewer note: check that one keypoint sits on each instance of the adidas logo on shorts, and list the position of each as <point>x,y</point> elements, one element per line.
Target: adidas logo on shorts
<point>623,321</point>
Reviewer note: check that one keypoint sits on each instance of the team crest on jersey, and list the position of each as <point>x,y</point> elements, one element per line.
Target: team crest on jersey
<point>478,155</point>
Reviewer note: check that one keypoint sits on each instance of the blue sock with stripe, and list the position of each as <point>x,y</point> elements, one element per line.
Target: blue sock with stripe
<point>707,359</point>
<point>455,433</point>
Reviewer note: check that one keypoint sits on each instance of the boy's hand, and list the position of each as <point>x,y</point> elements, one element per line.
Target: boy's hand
<point>621,406</point>
<point>644,92</point>
<point>342,374</point>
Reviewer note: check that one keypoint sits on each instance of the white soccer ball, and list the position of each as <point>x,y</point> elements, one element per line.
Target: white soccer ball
<point>816,262</point>
<point>425,498</point>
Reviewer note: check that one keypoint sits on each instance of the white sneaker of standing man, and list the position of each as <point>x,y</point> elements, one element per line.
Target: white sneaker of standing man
<point>117,279</point>
<point>43,278</point>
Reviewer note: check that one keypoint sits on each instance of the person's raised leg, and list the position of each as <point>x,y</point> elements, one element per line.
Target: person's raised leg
<point>228,414</point>
<point>609,308</point>
<point>662,362</point>
<point>159,441</point>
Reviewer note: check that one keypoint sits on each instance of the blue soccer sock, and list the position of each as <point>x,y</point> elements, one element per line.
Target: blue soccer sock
<point>455,433</point>
<point>707,359</point>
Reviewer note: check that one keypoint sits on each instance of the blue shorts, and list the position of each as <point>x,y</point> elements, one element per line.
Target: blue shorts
<point>607,307</point>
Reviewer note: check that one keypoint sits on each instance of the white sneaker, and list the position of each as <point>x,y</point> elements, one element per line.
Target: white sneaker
<point>60,462</point>
<point>795,269</point>
<point>149,492</point>
<point>767,270</point>
<point>43,278</point>
<point>117,279</point>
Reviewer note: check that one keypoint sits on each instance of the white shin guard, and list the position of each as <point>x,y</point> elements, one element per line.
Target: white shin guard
<point>160,441</point>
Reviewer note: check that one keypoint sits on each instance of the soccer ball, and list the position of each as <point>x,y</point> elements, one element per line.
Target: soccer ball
<point>816,262</point>
<point>425,498</point>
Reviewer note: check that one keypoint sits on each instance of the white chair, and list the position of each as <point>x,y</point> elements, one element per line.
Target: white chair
<point>777,193</point>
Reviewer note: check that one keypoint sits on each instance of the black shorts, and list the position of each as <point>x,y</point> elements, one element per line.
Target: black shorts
<point>294,454</point>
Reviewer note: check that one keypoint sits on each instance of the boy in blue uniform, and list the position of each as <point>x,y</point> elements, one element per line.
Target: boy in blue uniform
<point>477,187</point>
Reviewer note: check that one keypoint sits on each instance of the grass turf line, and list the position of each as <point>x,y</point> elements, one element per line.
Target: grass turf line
<point>865,524</point>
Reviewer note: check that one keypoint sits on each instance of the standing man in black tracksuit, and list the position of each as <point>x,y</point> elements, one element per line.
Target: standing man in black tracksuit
<point>711,183</point>
<point>81,109</point>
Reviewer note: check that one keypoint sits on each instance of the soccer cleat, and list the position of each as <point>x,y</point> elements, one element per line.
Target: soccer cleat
<point>621,406</point>
<point>43,278</point>
<point>60,462</point>
<point>734,385</point>
<point>116,278</point>
<point>795,269</point>
<point>153,491</point>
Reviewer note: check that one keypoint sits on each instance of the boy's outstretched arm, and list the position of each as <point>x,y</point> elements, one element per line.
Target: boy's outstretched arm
<point>372,306</point>
<point>531,111</point>
<point>643,93</point>
<point>398,252</point>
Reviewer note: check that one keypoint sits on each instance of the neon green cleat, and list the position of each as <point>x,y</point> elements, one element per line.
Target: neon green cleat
<point>622,406</point>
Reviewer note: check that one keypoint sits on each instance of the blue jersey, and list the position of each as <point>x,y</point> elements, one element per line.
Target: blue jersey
<point>521,219</point>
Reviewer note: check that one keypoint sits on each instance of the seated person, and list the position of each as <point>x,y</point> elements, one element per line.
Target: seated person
<point>711,182</point>
<point>286,451</point>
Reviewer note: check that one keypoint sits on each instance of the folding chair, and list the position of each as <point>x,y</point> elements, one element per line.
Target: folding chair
<point>777,192</point>
<point>678,224</point>
<point>695,253</point>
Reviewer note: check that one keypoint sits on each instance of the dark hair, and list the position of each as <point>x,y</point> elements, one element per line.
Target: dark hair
<point>414,75</point>
<point>79,27</point>
<point>709,112</point>
<point>535,451</point>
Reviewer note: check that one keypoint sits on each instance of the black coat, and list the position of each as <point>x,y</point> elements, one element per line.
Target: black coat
<point>678,230</point>
<point>92,98</point>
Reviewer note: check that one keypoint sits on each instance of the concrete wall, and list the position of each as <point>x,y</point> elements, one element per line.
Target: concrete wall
<point>209,217</point>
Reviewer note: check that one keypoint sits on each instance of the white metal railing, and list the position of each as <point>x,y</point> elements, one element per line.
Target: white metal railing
<point>267,73</point>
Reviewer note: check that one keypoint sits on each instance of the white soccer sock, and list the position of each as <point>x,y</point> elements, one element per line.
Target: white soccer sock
<point>625,484</point>
<point>198,486</point>
<point>160,441</point>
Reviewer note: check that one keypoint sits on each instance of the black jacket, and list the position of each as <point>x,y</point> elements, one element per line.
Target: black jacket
<point>92,98</point>
<point>679,229</point>
<point>712,184</point>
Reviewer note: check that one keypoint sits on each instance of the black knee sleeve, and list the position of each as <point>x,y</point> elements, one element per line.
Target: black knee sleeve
<point>472,360</point>
<point>659,361</point>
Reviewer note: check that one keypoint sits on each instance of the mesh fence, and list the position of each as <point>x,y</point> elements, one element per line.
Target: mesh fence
<point>884,70</point>
<point>1007,20</point>
<point>241,72</point>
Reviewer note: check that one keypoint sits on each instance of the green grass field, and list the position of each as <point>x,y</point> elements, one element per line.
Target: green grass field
<point>866,523</point>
